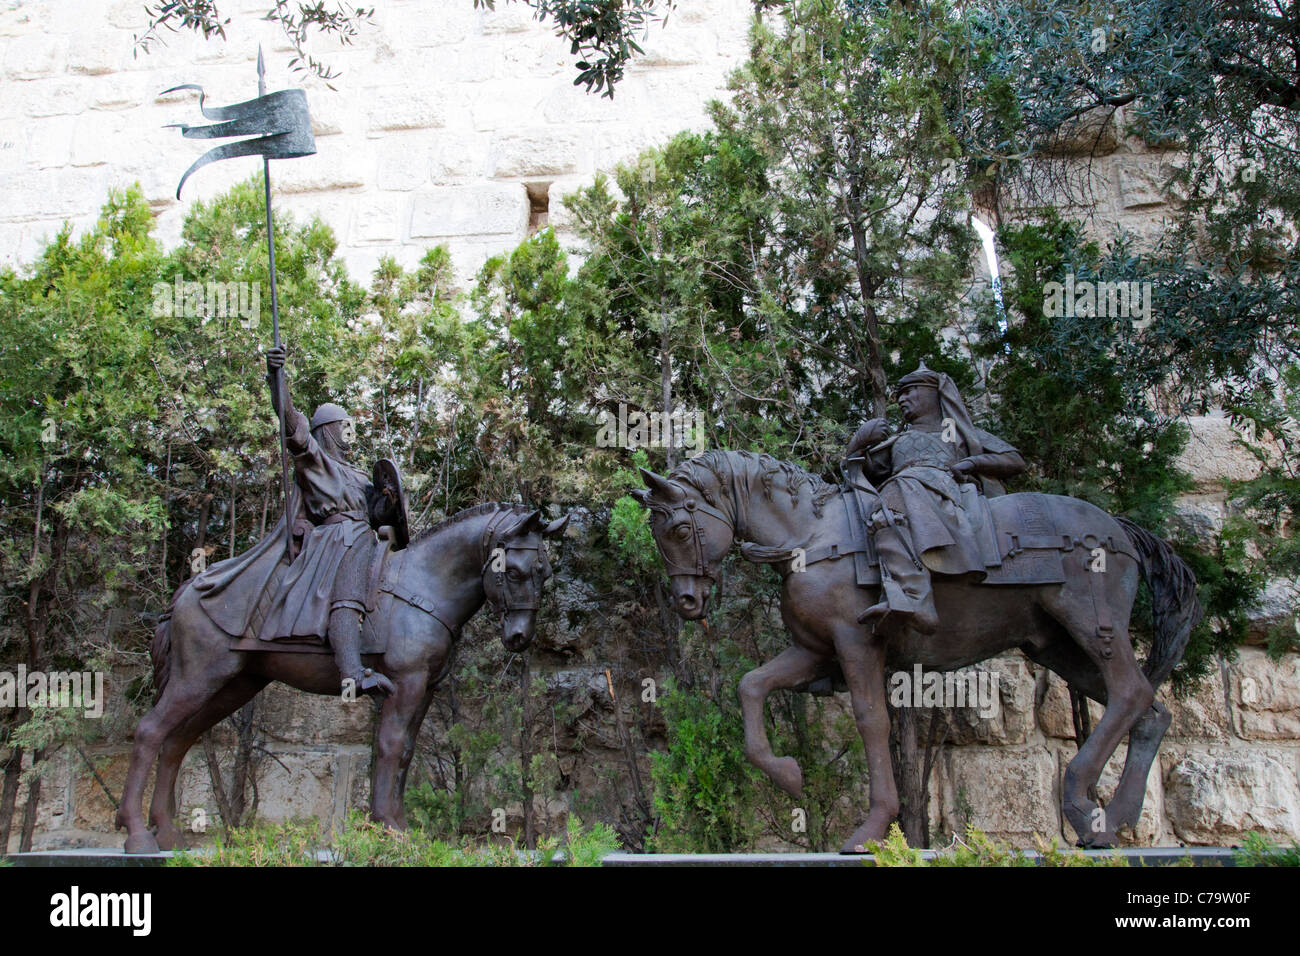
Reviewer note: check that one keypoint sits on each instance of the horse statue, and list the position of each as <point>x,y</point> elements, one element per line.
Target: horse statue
<point>492,553</point>
<point>1063,595</point>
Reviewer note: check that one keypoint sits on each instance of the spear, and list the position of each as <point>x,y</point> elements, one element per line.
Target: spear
<point>277,382</point>
<point>280,128</point>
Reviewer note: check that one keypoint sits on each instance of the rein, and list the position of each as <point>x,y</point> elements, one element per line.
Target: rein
<point>508,603</point>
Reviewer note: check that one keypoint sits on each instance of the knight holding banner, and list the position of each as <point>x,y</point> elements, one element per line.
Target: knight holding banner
<point>276,590</point>
<point>323,594</point>
<point>929,513</point>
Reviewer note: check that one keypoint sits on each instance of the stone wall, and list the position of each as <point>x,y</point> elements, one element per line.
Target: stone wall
<point>444,119</point>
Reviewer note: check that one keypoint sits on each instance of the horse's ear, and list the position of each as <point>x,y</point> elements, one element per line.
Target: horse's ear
<point>641,495</point>
<point>665,488</point>
<point>557,526</point>
<point>529,522</point>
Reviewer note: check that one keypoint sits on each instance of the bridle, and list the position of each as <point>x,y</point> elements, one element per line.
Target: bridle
<point>508,603</point>
<point>701,568</point>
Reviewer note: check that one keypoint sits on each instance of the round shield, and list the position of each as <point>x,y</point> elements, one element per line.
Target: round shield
<point>388,482</point>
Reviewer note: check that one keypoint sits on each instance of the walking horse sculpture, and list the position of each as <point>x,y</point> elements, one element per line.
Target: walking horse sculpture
<point>1047,599</point>
<point>491,553</point>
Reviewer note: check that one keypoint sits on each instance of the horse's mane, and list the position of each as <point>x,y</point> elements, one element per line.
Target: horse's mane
<point>720,465</point>
<point>473,511</point>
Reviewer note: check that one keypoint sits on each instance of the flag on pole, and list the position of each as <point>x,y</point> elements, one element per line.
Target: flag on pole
<point>278,122</point>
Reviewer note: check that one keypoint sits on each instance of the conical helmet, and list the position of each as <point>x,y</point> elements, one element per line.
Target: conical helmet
<point>329,412</point>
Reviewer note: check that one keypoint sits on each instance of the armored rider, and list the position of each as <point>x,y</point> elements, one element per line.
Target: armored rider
<point>323,593</point>
<point>928,514</point>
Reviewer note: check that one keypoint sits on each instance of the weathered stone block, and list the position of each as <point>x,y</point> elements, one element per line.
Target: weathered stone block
<point>1092,134</point>
<point>56,97</point>
<point>97,53</point>
<point>34,57</point>
<point>1144,182</point>
<point>511,19</point>
<point>320,173</point>
<point>330,112</point>
<point>1055,716</point>
<point>1214,452</point>
<point>50,144</point>
<point>296,717</point>
<point>1012,705</point>
<point>1266,695</point>
<point>404,167</point>
<point>1202,715</point>
<point>301,783</point>
<point>120,91</point>
<point>1278,606</point>
<point>1198,519</point>
<point>405,107</point>
<point>1215,796</point>
<point>1007,793</point>
<point>541,152</point>
<point>470,211</point>
<point>378,219</point>
<point>95,135</point>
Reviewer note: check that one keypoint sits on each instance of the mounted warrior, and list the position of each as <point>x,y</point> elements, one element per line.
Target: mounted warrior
<point>335,508</point>
<point>929,514</point>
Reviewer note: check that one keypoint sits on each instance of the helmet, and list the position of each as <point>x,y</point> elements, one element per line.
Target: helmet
<point>921,378</point>
<point>329,412</point>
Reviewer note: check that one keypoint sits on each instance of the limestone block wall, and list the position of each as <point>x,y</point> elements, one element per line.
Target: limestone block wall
<point>441,119</point>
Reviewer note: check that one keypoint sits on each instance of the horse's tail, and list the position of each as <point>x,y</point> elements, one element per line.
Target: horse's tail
<point>160,651</point>
<point>1174,605</point>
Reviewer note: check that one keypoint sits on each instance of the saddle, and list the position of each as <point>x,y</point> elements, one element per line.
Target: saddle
<point>382,589</point>
<point>1017,536</point>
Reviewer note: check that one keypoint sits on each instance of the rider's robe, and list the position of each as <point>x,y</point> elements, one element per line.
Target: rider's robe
<point>947,519</point>
<point>231,591</point>
<point>259,592</point>
<point>336,497</point>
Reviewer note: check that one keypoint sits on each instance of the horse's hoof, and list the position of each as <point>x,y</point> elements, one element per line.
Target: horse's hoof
<point>171,839</point>
<point>787,775</point>
<point>141,843</point>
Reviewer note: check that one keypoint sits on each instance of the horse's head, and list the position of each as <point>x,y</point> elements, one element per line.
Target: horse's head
<point>692,535</point>
<point>514,570</point>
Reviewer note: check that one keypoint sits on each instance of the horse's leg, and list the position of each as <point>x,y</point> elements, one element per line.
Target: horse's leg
<point>408,751</point>
<point>862,658</point>
<point>180,701</point>
<point>1125,806</point>
<point>1127,696</point>
<point>793,666</point>
<point>162,810</point>
<point>390,741</point>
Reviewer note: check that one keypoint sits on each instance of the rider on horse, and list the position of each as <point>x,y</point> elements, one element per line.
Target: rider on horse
<point>928,511</point>
<point>323,593</point>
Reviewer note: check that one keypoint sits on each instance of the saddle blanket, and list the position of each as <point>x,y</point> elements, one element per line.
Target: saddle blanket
<point>1026,546</point>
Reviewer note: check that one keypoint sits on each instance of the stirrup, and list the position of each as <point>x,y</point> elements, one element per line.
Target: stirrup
<point>876,610</point>
<point>375,684</point>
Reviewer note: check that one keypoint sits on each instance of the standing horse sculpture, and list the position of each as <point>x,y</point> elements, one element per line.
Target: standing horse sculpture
<point>1077,625</point>
<point>493,553</point>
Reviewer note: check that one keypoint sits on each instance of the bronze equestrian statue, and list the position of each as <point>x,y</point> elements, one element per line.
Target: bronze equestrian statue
<point>931,569</point>
<point>267,615</point>
<point>933,472</point>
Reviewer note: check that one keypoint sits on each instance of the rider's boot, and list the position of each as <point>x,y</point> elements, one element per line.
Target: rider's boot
<point>905,589</point>
<point>345,638</point>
